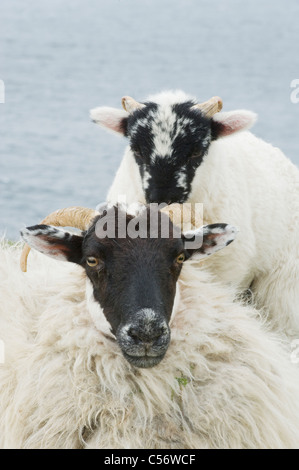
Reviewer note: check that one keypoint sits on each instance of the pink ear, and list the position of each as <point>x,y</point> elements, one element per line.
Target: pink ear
<point>234,121</point>
<point>111,118</point>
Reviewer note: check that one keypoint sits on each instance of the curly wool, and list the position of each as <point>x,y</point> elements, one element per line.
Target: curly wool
<point>225,381</point>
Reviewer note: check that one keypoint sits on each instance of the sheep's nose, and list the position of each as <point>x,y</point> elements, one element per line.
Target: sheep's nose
<point>145,338</point>
<point>147,335</point>
<point>159,200</point>
<point>144,341</point>
<point>158,197</point>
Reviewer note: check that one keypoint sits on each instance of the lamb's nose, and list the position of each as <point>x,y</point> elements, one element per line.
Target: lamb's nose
<point>159,197</point>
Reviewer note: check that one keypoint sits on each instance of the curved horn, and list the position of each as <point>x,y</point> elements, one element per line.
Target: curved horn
<point>186,216</point>
<point>130,105</point>
<point>210,107</point>
<point>79,217</point>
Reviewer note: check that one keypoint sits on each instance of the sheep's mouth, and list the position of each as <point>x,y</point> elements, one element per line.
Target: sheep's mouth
<point>143,361</point>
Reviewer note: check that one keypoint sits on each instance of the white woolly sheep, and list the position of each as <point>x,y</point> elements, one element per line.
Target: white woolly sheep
<point>182,151</point>
<point>224,382</point>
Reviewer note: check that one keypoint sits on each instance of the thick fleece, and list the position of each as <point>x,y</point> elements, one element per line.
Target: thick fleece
<point>225,382</point>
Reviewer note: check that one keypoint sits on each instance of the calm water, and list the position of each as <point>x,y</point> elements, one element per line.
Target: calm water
<point>60,58</point>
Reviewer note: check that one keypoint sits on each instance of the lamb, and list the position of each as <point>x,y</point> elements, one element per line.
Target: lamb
<point>181,151</point>
<point>72,380</point>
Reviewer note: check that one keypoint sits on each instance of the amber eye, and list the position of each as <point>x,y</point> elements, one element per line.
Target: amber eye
<point>92,261</point>
<point>181,258</point>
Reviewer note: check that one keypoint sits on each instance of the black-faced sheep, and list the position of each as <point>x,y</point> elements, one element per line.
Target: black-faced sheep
<point>153,354</point>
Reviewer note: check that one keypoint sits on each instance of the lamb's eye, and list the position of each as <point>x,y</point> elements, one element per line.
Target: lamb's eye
<point>181,258</point>
<point>92,261</point>
<point>139,155</point>
<point>196,155</point>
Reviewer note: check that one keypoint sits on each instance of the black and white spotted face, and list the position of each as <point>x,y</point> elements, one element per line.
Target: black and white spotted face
<point>169,136</point>
<point>168,143</point>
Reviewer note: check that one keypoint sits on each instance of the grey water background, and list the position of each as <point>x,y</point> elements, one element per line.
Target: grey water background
<point>60,58</point>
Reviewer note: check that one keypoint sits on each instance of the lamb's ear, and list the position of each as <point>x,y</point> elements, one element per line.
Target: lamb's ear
<point>224,124</point>
<point>209,239</point>
<point>112,119</point>
<point>54,242</point>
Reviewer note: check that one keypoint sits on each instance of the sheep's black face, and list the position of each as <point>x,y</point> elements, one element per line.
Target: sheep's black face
<point>134,281</point>
<point>169,144</point>
<point>133,264</point>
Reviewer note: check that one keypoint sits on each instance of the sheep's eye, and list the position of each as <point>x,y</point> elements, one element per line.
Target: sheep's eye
<point>181,258</point>
<point>139,155</point>
<point>196,155</point>
<point>92,261</point>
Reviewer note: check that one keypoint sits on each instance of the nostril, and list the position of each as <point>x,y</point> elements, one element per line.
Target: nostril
<point>156,334</point>
<point>135,334</point>
<point>140,336</point>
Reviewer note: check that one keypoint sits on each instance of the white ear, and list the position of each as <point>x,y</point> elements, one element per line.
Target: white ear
<point>209,239</point>
<point>234,121</point>
<point>111,118</point>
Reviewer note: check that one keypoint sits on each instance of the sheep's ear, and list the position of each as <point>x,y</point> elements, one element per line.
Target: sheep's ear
<point>209,239</point>
<point>224,124</point>
<point>111,118</point>
<point>54,242</point>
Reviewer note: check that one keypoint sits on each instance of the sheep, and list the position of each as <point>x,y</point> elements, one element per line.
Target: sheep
<point>135,296</point>
<point>183,151</point>
<point>224,380</point>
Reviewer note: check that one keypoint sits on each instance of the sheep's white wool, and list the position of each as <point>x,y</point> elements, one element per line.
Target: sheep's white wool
<point>176,304</point>
<point>225,381</point>
<point>170,97</point>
